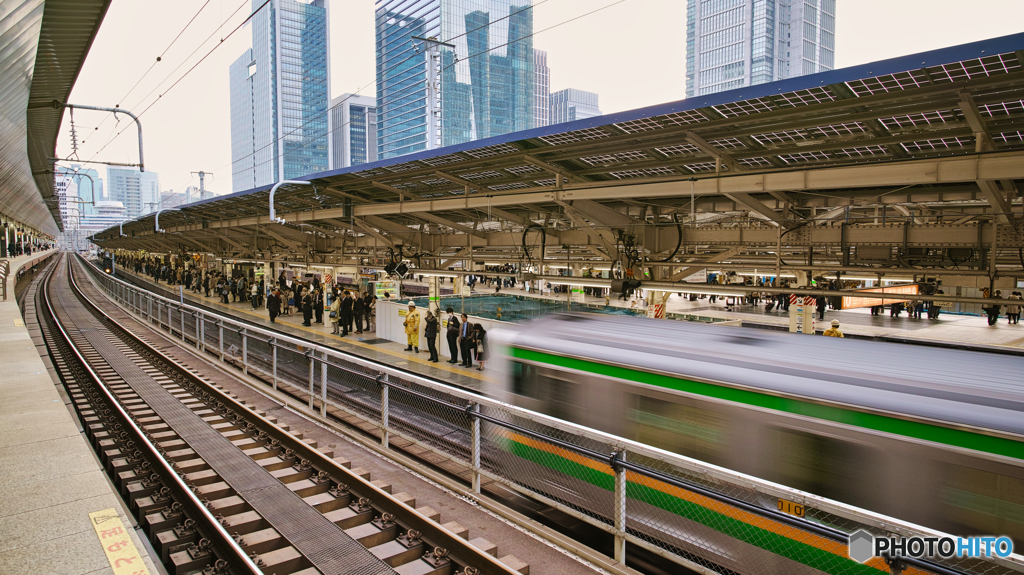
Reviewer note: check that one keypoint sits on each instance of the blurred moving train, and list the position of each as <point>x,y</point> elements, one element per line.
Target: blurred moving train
<point>930,436</point>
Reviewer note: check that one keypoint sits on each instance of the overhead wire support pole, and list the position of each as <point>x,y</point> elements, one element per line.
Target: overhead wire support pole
<point>58,105</point>
<point>156,221</point>
<point>434,89</point>
<point>273,190</point>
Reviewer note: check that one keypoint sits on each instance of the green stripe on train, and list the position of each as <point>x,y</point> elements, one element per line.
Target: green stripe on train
<point>893,425</point>
<point>751,534</point>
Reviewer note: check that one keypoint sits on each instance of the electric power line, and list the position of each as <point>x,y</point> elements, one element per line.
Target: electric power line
<point>201,44</point>
<point>158,58</point>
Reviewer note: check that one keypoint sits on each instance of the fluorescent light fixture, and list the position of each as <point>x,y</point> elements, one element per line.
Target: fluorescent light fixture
<point>432,274</point>
<point>323,267</point>
<point>577,283</point>
<point>767,274</point>
<point>875,278</point>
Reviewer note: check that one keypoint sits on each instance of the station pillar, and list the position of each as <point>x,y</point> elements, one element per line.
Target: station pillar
<point>434,295</point>
<point>656,304</point>
<point>801,314</point>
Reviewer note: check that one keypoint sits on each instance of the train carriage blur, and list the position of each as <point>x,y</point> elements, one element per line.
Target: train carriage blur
<point>927,435</point>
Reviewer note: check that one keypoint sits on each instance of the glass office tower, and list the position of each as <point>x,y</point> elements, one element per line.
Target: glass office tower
<point>280,90</point>
<point>736,43</point>
<point>353,130</point>
<point>483,82</point>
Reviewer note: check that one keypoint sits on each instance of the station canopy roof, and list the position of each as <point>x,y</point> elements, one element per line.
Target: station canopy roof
<point>44,45</point>
<point>965,100</point>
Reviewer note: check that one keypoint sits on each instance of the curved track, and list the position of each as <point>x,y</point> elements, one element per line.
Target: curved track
<point>214,484</point>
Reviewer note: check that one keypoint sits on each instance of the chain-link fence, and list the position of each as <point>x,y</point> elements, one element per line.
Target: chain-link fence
<point>707,518</point>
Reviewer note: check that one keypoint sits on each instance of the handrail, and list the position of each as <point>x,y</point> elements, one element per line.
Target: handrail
<point>861,516</point>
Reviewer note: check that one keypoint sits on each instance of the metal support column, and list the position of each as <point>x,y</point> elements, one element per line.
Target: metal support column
<point>245,353</point>
<point>385,409</point>
<point>323,386</point>
<point>473,410</point>
<point>312,366</point>
<point>620,506</point>
<point>273,346</point>
<point>220,338</point>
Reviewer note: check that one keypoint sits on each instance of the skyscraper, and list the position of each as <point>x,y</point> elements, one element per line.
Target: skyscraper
<point>736,43</point>
<point>481,72</point>
<point>541,89</point>
<point>138,192</point>
<point>280,90</point>
<point>353,130</point>
<point>572,104</point>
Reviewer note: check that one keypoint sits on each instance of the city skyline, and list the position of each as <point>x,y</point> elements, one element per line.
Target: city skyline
<point>280,91</point>
<point>188,129</point>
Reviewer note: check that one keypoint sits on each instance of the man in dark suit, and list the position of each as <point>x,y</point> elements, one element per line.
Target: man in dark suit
<point>274,304</point>
<point>466,341</point>
<point>346,313</point>
<point>453,335</point>
<point>358,309</point>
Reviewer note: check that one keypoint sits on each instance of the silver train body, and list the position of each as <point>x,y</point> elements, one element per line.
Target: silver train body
<point>930,436</point>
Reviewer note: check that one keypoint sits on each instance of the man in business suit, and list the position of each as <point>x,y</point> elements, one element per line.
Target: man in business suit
<point>453,335</point>
<point>346,314</point>
<point>466,341</point>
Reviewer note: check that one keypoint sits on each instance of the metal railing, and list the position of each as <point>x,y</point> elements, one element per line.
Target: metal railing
<point>704,517</point>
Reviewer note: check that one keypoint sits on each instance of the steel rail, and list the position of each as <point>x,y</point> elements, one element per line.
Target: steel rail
<point>238,556</point>
<point>461,550</point>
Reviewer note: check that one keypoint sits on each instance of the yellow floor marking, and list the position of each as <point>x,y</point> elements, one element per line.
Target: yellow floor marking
<point>117,543</point>
<point>18,322</point>
<point>217,303</point>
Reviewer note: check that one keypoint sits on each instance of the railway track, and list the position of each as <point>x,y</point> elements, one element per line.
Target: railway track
<point>216,486</point>
<point>361,395</point>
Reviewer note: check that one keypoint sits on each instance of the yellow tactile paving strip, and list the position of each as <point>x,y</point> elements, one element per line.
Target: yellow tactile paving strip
<point>117,543</point>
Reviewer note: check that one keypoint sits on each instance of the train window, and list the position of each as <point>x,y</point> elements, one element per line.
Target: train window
<point>679,428</point>
<point>823,465</point>
<point>979,501</point>
<point>524,380</point>
<point>563,394</point>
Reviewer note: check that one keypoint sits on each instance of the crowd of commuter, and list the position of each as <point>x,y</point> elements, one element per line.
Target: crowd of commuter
<point>27,247</point>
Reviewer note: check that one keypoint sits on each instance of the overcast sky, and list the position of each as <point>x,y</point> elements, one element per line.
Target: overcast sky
<point>632,54</point>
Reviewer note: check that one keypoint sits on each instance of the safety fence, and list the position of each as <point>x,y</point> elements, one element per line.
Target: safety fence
<point>704,517</point>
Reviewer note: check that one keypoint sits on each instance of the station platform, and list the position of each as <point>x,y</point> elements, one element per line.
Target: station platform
<point>56,498</point>
<point>949,328</point>
<point>366,344</point>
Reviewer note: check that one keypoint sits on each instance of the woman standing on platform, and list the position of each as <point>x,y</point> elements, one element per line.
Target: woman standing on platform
<point>255,293</point>
<point>371,312</point>
<point>335,314</point>
<point>479,341</point>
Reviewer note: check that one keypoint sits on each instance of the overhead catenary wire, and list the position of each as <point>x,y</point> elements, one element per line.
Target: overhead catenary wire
<point>158,59</point>
<point>203,43</point>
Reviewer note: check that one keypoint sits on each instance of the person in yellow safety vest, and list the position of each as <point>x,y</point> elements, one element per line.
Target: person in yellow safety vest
<point>834,330</point>
<point>412,328</point>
